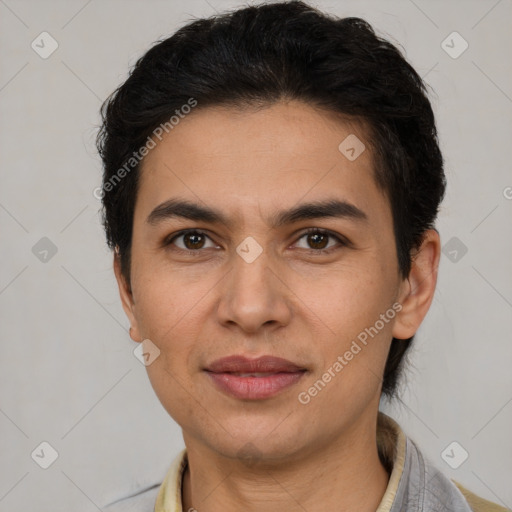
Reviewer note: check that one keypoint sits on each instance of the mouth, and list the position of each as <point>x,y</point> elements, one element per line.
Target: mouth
<point>254,379</point>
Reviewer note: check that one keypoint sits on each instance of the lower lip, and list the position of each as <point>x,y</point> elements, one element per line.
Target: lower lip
<point>254,388</point>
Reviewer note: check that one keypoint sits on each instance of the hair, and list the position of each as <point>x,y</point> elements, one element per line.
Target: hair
<point>256,56</point>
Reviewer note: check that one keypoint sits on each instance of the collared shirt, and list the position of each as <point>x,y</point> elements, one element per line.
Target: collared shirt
<point>415,485</point>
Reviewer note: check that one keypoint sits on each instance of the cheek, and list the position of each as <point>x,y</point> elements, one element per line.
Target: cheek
<point>168,299</point>
<point>353,314</point>
<point>344,301</point>
<point>171,314</point>
<point>350,375</point>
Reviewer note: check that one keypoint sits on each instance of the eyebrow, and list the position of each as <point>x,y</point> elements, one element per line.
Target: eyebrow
<point>334,208</point>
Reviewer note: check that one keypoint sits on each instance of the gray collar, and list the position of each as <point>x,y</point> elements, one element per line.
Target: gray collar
<point>423,488</point>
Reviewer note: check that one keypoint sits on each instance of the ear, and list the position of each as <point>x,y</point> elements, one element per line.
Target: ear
<point>126,299</point>
<point>417,291</point>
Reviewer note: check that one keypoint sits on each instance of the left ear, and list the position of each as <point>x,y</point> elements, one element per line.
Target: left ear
<point>417,291</point>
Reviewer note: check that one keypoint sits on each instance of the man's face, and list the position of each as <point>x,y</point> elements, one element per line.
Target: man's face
<point>251,287</point>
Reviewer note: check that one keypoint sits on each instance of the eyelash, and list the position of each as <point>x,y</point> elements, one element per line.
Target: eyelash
<point>342,241</point>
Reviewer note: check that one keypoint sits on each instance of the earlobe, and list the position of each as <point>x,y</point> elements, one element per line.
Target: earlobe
<point>127,301</point>
<point>417,291</point>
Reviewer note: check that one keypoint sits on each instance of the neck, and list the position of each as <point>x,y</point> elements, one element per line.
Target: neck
<point>345,475</point>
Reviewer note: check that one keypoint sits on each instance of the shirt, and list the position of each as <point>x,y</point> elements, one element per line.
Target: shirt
<point>415,485</point>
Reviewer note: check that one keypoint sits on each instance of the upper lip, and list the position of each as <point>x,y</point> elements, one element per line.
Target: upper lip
<point>242,364</point>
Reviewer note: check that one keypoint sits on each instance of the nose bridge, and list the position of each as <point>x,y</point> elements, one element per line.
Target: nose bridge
<point>251,273</point>
<point>252,256</point>
<point>253,295</point>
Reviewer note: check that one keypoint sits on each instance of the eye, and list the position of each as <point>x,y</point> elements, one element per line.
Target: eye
<point>318,240</point>
<point>192,241</point>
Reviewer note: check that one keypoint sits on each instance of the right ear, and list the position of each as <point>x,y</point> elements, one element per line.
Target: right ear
<point>127,301</point>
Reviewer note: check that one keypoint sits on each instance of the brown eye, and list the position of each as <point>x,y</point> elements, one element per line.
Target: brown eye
<point>191,240</point>
<point>317,240</point>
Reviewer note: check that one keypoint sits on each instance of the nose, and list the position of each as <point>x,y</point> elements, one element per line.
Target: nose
<point>254,295</point>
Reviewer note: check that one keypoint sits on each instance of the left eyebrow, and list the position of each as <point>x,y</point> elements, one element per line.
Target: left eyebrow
<point>334,208</point>
<point>317,210</point>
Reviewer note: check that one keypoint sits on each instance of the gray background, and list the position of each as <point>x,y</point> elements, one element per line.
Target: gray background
<point>67,372</point>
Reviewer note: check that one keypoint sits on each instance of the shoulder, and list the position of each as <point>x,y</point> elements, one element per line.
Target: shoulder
<point>156,493</point>
<point>477,503</point>
<point>425,487</point>
<point>143,501</point>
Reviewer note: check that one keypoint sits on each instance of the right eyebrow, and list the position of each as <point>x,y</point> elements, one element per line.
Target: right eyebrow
<point>174,208</point>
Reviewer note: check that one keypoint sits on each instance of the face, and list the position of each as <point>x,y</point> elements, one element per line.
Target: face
<point>286,249</point>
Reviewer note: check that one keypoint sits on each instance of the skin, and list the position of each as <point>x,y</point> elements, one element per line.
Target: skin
<point>290,302</point>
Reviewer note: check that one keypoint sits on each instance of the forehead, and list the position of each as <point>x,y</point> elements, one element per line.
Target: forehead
<point>280,154</point>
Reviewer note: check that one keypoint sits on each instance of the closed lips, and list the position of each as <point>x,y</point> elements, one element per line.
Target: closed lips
<point>253,379</point>
<point>260,367</point>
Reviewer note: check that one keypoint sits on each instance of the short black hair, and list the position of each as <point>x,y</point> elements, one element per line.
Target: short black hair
<point>256,56</point>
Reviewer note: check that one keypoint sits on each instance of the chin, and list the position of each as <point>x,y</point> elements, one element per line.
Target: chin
<point>264,452</point>
<point>252,439</point>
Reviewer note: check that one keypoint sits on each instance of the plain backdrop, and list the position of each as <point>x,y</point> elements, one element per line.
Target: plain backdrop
<point>68,376</point>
